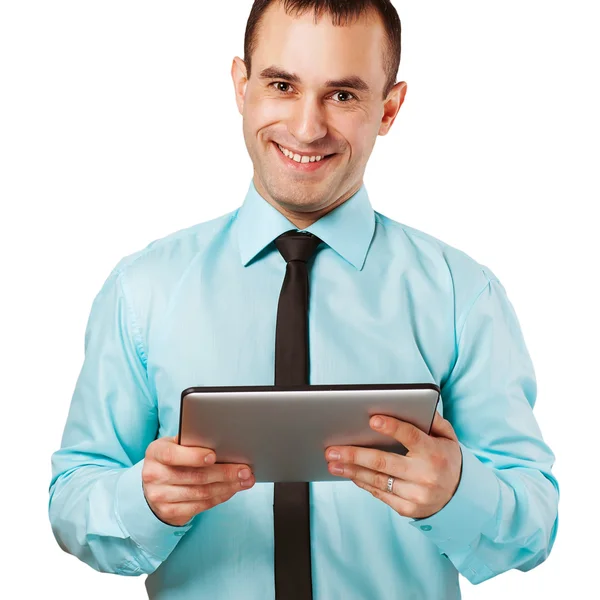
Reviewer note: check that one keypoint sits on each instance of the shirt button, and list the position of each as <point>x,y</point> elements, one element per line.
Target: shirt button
<point>426,527</point>
<point>179,533</point>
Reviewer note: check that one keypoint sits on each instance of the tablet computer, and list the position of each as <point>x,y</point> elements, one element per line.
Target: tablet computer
<point>282,432</point>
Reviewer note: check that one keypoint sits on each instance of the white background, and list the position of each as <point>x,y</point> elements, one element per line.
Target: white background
<point>118,126</point>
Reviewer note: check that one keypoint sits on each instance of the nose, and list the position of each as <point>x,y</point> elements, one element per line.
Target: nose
<point>308,122</point>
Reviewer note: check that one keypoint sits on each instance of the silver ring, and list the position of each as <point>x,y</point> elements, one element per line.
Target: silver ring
<point>390,484</point>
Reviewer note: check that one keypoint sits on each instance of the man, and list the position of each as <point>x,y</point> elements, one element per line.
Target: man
<point>388,304</point>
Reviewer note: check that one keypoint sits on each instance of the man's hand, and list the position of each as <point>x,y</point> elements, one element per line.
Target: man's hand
<point>425,478</point>
<point>180,481</point>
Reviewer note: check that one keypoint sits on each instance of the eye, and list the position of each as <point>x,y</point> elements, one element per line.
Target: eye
<point>278,83</point>
<point>345,94</point>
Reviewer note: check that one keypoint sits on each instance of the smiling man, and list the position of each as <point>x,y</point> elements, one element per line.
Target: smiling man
<point>227,302</point>
<point>318,93</point>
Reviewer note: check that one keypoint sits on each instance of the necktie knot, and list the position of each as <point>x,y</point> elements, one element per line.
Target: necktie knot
<point>297,245</point>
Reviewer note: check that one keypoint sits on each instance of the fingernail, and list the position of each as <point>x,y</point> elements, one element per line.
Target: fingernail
<point>244,474</point>
<point>210,459</point>
<point>247,483</point>
<point>337,470</point>
<point>378,422</point>
<point>333,455</point>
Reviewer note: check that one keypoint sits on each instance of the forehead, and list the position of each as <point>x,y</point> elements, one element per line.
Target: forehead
<point>322,50</point>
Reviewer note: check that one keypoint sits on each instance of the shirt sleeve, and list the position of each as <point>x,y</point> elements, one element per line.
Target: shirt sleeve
<point>504,513</point>
<point>97,508</point>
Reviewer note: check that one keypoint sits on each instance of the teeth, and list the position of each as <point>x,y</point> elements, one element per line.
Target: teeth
<point>298,158</point>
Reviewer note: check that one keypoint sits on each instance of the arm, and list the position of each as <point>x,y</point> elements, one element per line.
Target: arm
<point>504,513</point>
<point>97,507</point>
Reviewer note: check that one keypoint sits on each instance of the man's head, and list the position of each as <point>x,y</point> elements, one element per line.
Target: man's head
<point>318,78</point>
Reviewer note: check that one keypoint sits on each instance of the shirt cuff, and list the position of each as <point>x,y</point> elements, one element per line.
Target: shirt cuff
<point>137,519</point>
<point>465,516</point>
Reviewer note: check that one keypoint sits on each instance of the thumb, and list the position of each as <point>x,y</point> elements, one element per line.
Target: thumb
<point>442,428</point>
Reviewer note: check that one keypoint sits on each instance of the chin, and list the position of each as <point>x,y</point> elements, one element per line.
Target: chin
<point>288,194</point>
<point>293,202</point>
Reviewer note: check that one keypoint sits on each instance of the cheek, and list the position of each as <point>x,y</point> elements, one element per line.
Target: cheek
<point>266,105</point>
<point>360,132</point>
<point>263,118</point>
<point>361,145</point>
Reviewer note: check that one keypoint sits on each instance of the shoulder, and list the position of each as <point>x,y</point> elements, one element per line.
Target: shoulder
<point>438,259</point>
<point>166,259</point>
<point>148,278</point>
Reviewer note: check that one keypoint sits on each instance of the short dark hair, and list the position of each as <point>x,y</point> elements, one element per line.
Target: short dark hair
<point>342,12</point>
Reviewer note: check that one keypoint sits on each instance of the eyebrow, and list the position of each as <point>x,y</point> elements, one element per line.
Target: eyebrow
<point>353,81</point>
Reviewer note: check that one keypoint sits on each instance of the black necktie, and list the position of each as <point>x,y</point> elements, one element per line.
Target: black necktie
<point>291,511</point>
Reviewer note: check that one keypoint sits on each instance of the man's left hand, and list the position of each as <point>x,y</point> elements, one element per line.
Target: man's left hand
<point>424,479</point>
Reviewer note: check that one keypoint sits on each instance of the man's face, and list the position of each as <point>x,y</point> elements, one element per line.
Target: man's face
<point>308,116</point>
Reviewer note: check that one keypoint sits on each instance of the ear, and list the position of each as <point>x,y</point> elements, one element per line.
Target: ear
<point>391,106</point>
<point>240,81</point>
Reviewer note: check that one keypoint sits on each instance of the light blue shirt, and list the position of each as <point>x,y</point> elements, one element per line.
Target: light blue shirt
<point>388,304</point>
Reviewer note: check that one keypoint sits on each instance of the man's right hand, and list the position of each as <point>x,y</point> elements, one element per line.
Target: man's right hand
<point>181,481</point>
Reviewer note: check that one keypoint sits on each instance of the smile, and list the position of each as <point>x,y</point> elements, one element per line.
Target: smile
<point>305,163</point>
<point>303,158</point>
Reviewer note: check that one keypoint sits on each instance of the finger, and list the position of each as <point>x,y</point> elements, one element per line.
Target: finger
<point>406,433</point>
<point>408,490</point>
<point>442,428</point>
<point>185,510</point>
<point>376,460</point>
<point>400,505</point>
<point>168,452</point>
<point>208,475</point>
<point>199,493</point>
<point>158,473</point>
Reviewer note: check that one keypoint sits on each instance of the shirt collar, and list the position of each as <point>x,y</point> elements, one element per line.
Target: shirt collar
<point>348,229</point>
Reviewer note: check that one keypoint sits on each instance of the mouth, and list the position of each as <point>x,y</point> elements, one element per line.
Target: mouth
<point>303,167</point>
